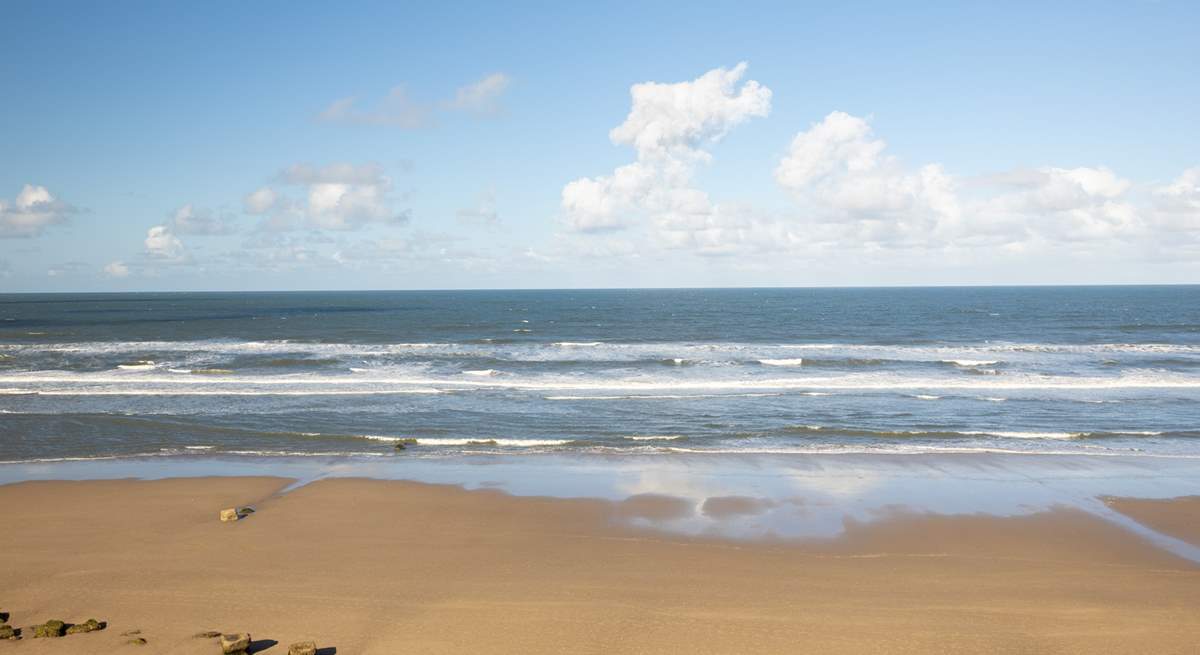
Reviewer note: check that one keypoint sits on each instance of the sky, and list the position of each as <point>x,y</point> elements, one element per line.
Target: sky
<point>360,145</point>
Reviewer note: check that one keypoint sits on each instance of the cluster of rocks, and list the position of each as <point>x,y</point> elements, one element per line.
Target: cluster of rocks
<point>239,643</point>
<point>51,629</point>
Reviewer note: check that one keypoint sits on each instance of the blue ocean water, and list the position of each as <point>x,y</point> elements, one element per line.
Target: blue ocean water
<point>1083,370</point>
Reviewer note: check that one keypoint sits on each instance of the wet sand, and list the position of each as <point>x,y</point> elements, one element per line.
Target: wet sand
<point>374,566</point>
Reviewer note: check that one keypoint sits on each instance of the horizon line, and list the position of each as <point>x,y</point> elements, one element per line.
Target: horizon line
<point>696,288</point>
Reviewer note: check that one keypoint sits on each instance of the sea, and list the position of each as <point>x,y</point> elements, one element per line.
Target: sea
<point>1082,371</point>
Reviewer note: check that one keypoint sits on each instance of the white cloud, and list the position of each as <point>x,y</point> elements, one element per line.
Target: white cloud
<point>1177,204</point>
<point>482,97</point>
<point>850,197</point>
<point>116,269</point>
<point>260,201</point>
<point>161,244</point>
<point>837,172</point>
<point>189,219</point>
<point>675,120</point>
<point>1060,204</point>
<point>339,196</point>
<point>31,212</point>
<point>669,125</point>
<point>396,109</point>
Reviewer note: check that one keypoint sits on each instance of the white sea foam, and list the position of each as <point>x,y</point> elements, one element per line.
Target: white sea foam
<point>970,362</point>
<point>673,396</point>
<point>487,372</point>
<point>655,437</point>
<point>216,392</point>
<point>925,396</point>
<point>797,361</point>
<point>139,366</point>
<point>516,443</point>
<point>1013,434</point>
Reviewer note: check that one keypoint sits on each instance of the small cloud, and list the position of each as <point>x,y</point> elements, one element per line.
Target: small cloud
<point>116,269</point>
<point>396,109</point>
<point>192,220</point>
<point>339,196</point>
<point>482,97</point>
<point>260,201</point>
<point>33,210</point>
<point>162,244</point>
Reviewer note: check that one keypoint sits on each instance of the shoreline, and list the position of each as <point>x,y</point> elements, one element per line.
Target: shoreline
<point>384,566</point>
<point>794,497</point>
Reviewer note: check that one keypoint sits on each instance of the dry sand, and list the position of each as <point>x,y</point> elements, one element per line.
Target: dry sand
<point>368,566</point>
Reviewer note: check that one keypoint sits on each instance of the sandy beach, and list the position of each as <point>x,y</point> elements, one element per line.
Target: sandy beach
<point>374,566</point>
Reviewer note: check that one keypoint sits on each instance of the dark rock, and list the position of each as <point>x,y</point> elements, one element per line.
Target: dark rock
<point>51,628</point>
<point>91,625</point>
<point>303,648</point>
<point>137,642</point>
<point>237,642</point>
<point>243,512</point>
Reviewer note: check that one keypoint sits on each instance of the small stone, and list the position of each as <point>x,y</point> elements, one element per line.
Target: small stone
<point>237,642</point>
<point>303,648</point>
<point>137,642</point>
<point>243,512</point>
<point>230,514</point>
<point>207,634</point>
<point>91,625</point>
<point>51,628</point>
<point>7,631</point>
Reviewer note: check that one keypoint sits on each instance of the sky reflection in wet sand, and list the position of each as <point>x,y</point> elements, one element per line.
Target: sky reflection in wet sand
<point>734,496</point>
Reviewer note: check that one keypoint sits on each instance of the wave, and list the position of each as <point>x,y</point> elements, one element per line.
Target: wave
<point>674,396</point>
<point>1000,433</point>
<point>655,437</point>
<point>885,381</point>
<point>214,392</point>
<point>798,361</point>
<point>964,354</point>
<point>517,443</point>
<point>970,362</point>
<point>487,372</point>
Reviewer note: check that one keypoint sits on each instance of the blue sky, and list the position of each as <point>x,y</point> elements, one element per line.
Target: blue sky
<point>461,145</point>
